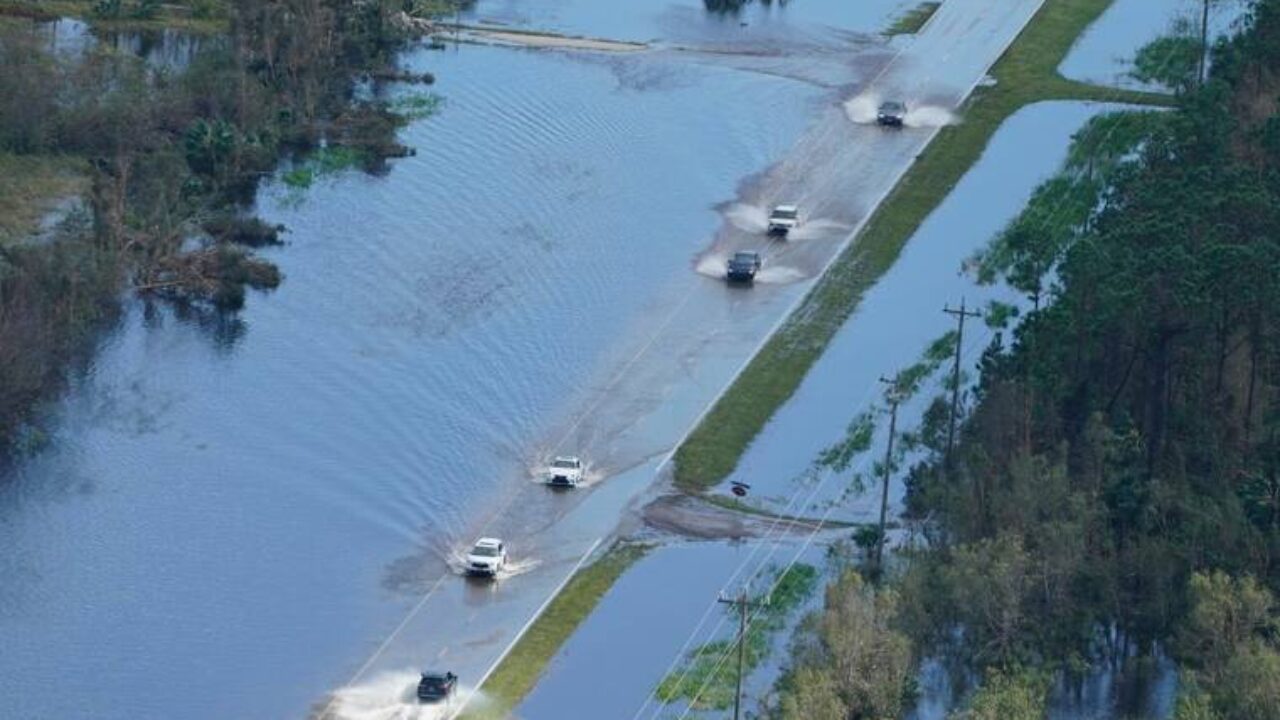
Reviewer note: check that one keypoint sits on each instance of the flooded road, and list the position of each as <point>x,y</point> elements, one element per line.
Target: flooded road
<point>258,512</point>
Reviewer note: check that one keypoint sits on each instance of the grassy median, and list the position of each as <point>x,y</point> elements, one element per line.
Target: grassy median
<point>1027,73</point>
<point>913,20</point>
<point>522,667</point>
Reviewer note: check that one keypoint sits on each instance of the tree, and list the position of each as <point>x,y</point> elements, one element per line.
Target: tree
<point>813,696</point>
<point>870,661</point>
<point>1017,696</point>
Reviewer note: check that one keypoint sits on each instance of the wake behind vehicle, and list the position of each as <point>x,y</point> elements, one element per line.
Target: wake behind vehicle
<point>435,687</point>
<point>784,219</point>
<point>892,113</point>
<point>743,266</point>
<point>487,558</point>
<point>565,472</point>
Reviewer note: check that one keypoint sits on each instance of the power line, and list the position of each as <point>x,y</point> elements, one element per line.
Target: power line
<point>742,603</point>
<point>960,316</point>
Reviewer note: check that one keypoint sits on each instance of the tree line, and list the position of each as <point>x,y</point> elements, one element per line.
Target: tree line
<point>173,159</point>
<point>1114,496</point>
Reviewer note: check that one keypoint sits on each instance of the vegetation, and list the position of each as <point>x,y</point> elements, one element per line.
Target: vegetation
<point>912,21</point>
<point>708,677</point>
<point>30,187</point>
<point>520,669</point>
<point>850,661</point>
<point>168,160</point>
<point>1027,73</point>
<point>1116,490</point>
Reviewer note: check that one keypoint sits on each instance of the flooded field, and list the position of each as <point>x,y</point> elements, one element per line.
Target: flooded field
<point>1104,53</point>
<point>898,319</point>
<point>662,609</point>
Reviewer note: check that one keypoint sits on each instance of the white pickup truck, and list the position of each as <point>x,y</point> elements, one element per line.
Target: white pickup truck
<point>487,558</point>
<point>784,219</point>
<point>565,472</point>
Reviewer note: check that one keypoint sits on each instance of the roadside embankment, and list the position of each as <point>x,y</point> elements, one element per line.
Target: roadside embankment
<point>515,676</point>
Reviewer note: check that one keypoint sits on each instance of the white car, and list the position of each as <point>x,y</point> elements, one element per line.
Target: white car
<point>487,558</point>
<point>565,471</point>
<point>784,219</point>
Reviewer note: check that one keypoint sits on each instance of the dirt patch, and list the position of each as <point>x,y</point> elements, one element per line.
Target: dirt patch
<point>691,517</point>
<point>547,40</point>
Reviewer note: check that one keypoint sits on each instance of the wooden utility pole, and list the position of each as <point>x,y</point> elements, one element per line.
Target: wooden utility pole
<point>1204,44</point>
<point>895,397</point>
<point>743,603</point>
<point>960,316</point>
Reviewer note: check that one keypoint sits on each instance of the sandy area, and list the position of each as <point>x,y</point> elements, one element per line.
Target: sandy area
<point>548,40</point>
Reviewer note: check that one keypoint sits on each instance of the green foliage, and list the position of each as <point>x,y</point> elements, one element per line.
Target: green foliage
<point>707,678</point>
<point>1194,704</point>
<point>325,162</point>
<point>1008,696</point>
<point>1171,61</point>
<point>417,106</point>
<point>858,664</point>
<point>857,440</point>
<point>913,20</point>
<point>1115,486</point>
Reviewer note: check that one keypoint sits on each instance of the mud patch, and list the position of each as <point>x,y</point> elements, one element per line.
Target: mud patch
<point>690,517</point>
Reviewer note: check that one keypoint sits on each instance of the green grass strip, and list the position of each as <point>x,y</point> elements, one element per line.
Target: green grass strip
<point>911,22</point>
<point>521,668</point>
<point>1027,73</point>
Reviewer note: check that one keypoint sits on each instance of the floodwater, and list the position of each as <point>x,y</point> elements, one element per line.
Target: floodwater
<point>243,510</point>
<point>662,608</point>
<point>898,319</point>
<point>261,511</point>
<point>164,48</point>
<point>760,25</point>
<point>1104,53</point>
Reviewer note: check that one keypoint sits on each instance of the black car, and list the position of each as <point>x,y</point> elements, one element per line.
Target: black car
<point>743,266</point>
<point>437,687</point>
<point>892,113</point>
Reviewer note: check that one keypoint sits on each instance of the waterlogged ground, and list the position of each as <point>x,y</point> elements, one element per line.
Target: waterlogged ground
<point>246,506</point>
<point>267,510</point>
<point>1104,53</point>
<point>663,608</point>
<point>897,321</point>
<point>758,26</point>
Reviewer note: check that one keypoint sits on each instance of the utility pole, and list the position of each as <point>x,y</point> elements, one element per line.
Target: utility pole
<point>960,316</point>
<point>895,397</point>
<point>743,603</point>
<point>1204,43</point>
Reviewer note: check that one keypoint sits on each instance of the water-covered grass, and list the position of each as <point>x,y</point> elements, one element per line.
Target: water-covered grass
<point>520,669</point>
<point>30,186</point>
<point>707,678</point>
<point>1025,74</point>
<point>911,21</point>
<point>197,16</point>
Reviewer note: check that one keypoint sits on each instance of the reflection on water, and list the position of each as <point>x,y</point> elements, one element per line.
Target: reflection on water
<point>165,48</point>
<point>244,502</point>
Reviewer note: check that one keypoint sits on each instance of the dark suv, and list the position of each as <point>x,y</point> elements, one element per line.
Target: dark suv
<point>743,266</point>
<point>892,114</point>
<point>437,687</point>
